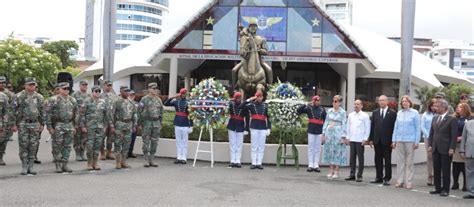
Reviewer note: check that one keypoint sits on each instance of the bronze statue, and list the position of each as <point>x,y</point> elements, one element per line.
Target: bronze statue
<point>252,70</point>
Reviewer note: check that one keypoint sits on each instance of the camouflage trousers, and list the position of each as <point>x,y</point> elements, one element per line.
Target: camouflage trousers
<point>28,141</point>
<point>108,139</point>
<point>4,137</point>
<point>150,136</point>
<point>123,138</point>
<point>61,141</point>
<point>95,138</point>
<point>80,140</point>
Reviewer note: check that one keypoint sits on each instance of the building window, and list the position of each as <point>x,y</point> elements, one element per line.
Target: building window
<point>139,18</point>
<point>141,28</point>
<point>130,37</point>
<point>368,89</point>
<point>121,46</point>
<point>332,7</point>
<point>146,9</point>
<point>162,2</point>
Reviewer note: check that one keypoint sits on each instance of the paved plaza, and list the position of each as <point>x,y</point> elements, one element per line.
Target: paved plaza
<point>183,185</point>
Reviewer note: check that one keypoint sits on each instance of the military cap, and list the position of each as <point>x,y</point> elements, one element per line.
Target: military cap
<point>123,87</point>
<point>3,79</point>
<point>132,92</point>
<point>83,82</point>
<point>56,86</point>
<point>150,85</point>
<point>63,85</point>
<point>126,89</point>
<point>440,95</point>
<point>96,87</point>
<point>30,80</point>
<point>108,82</point>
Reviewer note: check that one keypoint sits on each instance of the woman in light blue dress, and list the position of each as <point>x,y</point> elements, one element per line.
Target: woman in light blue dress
<point>334,136</point>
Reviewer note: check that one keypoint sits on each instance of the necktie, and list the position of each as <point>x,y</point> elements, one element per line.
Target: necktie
<point>381,113</point>
<point>439,119</point>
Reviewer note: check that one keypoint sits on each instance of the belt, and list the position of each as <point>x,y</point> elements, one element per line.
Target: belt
<point>181,114</point>
<point>259,117</point>
<point>30,120</point>
<point>126,120</point>
<point>316,121</point>
<point>237,117</point>
<point>153,119</point>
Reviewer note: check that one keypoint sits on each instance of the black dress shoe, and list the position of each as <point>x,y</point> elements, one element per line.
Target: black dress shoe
<point>183,162</point>
<point>468,197</point>
<point>132,156</point>
<point>444,194</point>
<point>386,182</point>
<point>237,165</point>
<point>231,165</point>
<point>316,170</point>
<point>37,161</point>
<point>376,181</point>
<point>464,189</point>
<point>310,169</point>
<point>435,192</point>
<point>177,161</point>
<point>455,186</point>
<point>429,184</point>
<point>260,167</point>
<point>252,167</point>
<point>359,179</point>
<point>350,178</point>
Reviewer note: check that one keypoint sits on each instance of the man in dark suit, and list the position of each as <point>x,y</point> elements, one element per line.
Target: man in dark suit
<point>442,142</point>
<point>381,130</point>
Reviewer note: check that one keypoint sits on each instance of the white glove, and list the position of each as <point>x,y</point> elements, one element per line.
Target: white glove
<point>246,133</point>
<point>190,130</point>
<point>268,132</point>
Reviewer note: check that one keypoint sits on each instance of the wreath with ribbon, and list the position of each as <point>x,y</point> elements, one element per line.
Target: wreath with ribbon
<point>208,103</point>
<point>283,100</point>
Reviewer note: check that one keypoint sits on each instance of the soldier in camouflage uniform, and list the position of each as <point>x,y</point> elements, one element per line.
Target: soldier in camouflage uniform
<point>6,122</point>
<point>93,116</point>
<point>109,97</point>
<point>80,138</point>
<point>61,118</point>
<point>131,96</point>
<point>151,112</point>
<point>122,121</point>
<point>28,110</point>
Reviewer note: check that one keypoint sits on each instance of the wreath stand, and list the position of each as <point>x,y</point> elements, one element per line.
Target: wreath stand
<point>205,151</point>
<point>283,155</point>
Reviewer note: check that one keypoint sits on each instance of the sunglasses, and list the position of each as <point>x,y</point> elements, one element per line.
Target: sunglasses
<point>3,82</point>
<point>84,84</point>
<point>154,88</point>
<point>109,85</point>
<point>66,89</point>
<point>96,91</point>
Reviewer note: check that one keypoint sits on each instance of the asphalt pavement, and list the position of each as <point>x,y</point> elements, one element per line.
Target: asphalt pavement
<point>183,185</point>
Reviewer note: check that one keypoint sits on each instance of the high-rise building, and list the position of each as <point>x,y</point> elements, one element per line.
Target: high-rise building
<point>456,54</point>
<point>136,20</point>
<point>339,10</point>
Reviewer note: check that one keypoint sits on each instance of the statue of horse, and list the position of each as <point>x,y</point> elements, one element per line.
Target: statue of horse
<point>252,70</point>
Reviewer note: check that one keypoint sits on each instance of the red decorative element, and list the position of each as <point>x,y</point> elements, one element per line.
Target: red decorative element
<point>237,117</point>
<point>259,117</point>
<point>181,114</point>
<point>316,121</point>
<point>258,94</point>
<point>183,91</point>
<point>315,98</point>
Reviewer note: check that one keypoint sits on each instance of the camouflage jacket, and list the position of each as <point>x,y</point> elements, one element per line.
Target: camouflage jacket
<point>28,106</point>
<point>4,111</point>
<point>123,110</point>
<point>80,97</point>
<point>11,115</point>
<point>150,109</point>
<point>93,114</point>
<point>109,98</point>
<point>61,109</point>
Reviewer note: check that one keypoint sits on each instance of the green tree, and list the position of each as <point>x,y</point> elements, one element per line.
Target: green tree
<point>19,60</point>
<point>454,91</point>
<point>424,94</point>
<point>61,49</point>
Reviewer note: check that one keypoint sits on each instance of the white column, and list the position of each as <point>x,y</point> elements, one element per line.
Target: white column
<point>187,81</point>
<point>351,84</point>
<point>173,76</point>
<point>343,91</point>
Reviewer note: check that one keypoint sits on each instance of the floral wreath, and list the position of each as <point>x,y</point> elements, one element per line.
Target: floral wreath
<point>208,103</point>
<point>283,100</point>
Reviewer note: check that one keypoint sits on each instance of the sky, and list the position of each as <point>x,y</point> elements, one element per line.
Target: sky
<point>65,19</point>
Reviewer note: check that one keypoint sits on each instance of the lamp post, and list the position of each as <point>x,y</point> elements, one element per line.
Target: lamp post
<point>408,24</point>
